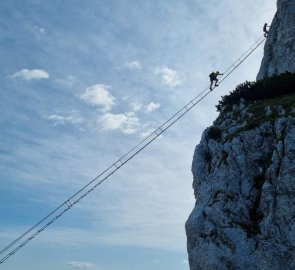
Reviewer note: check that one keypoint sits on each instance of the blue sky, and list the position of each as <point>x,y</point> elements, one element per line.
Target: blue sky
<point>81,83</point>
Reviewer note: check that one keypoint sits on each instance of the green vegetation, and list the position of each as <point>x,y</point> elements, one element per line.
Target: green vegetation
<point>269,88</point>
<point>260,117</point>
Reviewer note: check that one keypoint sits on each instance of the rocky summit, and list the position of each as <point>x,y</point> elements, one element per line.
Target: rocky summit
<point>244,173</point>
<point>279,50</point>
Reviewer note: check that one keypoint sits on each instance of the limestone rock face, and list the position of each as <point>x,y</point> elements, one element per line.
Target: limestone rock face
<point>244,185</point>
<point>279,50</point>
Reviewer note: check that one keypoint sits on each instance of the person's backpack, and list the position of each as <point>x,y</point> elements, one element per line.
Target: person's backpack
<point>212,76</point>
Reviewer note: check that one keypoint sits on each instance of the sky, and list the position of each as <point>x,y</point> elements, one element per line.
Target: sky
<point>82,82</point>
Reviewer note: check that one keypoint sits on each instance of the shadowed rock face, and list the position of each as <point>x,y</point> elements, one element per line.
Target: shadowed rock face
<point>279,50</point>
<point>244,184</point>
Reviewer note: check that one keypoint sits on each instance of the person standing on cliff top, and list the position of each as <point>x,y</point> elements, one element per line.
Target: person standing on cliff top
<point>265,26</point>
<point>213,77</point>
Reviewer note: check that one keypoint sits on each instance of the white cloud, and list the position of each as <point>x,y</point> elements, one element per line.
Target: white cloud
<point>170,77</point>
<point>152,107</point>
<point>33,74</point>
<point>61,120</point>
<point>98,95</point>
<point>127,123</point>
<point>133,65</point>
<point>81,265</point>
<point>135,106</point>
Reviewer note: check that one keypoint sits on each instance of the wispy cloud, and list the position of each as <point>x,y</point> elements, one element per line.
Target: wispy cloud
<point>98,95</point>
<point>126,123</point>
<point>170,77</point>
<point>133,65</point>
<point>147,132</point>
<point>33,74</point>
<point>152,107</point>
<point>58,119</point>
<point>67,81</point>
<point>36,31</point>
<point>135,106</point>
<point>81,265</point>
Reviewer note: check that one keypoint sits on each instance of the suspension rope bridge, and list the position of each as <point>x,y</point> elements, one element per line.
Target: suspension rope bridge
<point>46,221</point>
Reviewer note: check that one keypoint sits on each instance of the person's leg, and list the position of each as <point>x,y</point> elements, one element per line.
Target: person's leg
<point>216,82</point>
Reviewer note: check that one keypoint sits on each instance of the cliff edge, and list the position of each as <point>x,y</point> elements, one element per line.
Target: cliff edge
<point>244,173</point>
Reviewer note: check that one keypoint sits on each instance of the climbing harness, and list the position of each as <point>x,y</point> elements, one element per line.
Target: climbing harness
<point>40,226</point>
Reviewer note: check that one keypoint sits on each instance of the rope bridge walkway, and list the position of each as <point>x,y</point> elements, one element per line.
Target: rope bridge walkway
<point>41,225</point>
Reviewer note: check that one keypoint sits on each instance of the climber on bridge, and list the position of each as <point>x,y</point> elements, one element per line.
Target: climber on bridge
<point>265,30</point>
<point>213,77</point>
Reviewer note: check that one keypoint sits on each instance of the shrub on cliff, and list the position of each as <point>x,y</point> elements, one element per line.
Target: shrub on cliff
<point>278,85</point>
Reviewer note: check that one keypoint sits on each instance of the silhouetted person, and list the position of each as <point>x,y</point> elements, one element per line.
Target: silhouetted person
<point>213,78</point>
<point>265,30</point>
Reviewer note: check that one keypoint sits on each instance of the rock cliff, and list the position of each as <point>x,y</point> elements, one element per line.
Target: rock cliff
<point>279,50</point>
<point>244,183</point>
<point>244,174</point>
